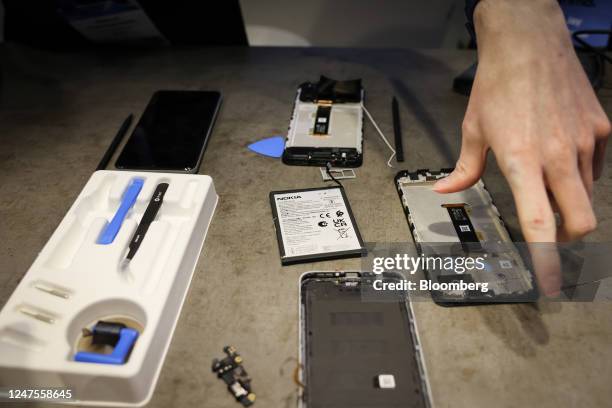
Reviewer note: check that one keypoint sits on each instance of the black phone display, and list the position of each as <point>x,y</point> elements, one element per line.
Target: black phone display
<point>172,133</point>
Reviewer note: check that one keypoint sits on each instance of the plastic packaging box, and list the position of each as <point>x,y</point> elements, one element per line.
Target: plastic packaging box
<point>74,282</point>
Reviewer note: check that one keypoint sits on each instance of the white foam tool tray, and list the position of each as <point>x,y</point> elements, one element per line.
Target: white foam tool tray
<point>74,282</point>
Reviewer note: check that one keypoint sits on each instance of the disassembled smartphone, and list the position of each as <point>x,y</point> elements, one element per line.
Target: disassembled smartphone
<point>460,224</point>
<point>356,353</point>
<point>327,125</point>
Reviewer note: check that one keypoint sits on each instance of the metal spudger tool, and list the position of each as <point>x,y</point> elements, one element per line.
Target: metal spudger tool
<point>113,146</point>
<point>147,218</point>
<point>397,129</point>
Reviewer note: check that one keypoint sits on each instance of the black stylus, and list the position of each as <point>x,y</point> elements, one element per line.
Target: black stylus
<point>113,146</point>
<point>397,129</point>
<point>147,218</point>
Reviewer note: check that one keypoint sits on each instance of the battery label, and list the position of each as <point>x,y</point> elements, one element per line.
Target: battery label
<point>314,223</point>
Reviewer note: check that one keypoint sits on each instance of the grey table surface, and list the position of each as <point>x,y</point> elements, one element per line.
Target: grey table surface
<point>59,112</point>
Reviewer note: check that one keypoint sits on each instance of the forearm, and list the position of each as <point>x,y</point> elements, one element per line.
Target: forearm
<point>533,106</point>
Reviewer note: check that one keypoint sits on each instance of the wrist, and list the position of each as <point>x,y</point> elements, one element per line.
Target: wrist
<point>520,26</point>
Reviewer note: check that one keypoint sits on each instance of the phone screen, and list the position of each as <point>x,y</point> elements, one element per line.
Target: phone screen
<point>349,343</point>
<point>172,132</point>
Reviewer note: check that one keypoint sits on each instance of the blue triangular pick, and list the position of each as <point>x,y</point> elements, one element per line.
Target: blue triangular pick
<point>271,146</point>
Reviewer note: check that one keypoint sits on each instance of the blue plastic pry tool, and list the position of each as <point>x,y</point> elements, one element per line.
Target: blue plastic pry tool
<point>271,147</point>
<point>127,201</point>
<point>127,338</point>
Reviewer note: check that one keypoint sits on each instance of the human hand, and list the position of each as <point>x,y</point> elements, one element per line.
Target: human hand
<point>533,106</point>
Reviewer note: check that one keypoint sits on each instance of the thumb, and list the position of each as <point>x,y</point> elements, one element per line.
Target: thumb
<point>468,169</point>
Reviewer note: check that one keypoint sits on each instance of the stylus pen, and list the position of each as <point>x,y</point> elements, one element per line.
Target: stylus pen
<point>147,218</point>
<point>397,129</point>
<point>113,146</point>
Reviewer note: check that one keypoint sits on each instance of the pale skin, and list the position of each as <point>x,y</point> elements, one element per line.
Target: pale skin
<point>534,108</point>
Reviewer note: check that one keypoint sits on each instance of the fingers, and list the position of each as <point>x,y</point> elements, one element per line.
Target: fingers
<point>537,223</point>
<point>599,156</point>
<point>553,202</point>
<point>574,205</point>
<point>547,264</point>
<point>533,207</point>
<point>585,165</point>
<point>602,131</point>
<point>469,167</point>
